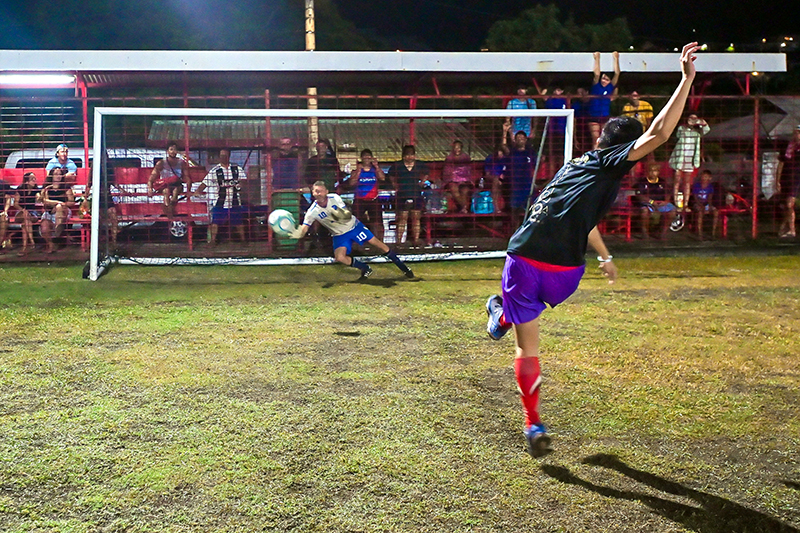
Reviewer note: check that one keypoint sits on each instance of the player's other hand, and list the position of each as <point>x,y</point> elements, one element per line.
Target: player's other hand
<point>609,270</point>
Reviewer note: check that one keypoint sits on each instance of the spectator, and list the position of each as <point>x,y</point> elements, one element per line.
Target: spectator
<point>57,199</point>
<point>522,101</point>
<point>581,106</point>
<point>331,211</point>
<point>638,109</point>
<point>703,195</point>
<point>286,167</point>
<point>409,177</point>
<point>557,128</point>
<point>7,199</point>
<point>685,160</point>
<point>653,200</point>
<point>495,169</point>
<point>323,166</point>
<point>224,196</point>
<point>602,89</point>
<point>521,165</point>
<point>789,184</point>
<point>168,177</point>
<point>457,180</point>
<point>62,161</point>
<point>364,182</point>
<point>25,199</point>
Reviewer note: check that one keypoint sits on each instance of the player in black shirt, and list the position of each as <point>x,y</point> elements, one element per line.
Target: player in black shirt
<point>545,259</point>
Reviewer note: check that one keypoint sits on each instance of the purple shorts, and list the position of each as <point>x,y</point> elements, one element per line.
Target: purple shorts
<point>527,287</point>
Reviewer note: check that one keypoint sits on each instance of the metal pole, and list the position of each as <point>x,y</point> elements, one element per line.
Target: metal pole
<point>311,45</point>
<point>756,169</point>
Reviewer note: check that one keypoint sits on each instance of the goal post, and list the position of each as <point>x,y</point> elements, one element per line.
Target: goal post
<point>133,224</point>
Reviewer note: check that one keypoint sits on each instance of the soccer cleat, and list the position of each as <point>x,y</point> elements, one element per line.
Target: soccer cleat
<point>366,273</point>
<point>677,224</point>
<point>409,275</point>
<point>538,441</point>
<point>494,308</point>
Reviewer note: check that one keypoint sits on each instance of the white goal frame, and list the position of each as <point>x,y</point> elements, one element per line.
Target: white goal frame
<point>95,263</point>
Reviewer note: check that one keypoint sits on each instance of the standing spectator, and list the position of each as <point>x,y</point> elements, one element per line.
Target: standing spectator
<point>62,161</point>
<point>286,167</point>
<point>557,128</point>
<point>495,169</point>
<point>7,199</point>
<point>331,211</point>
<point>58,199</point>
<point>168,177</point>
<point>789,184</point>
<point>521,165</point>
<point>653,200</point>
<point>224,196</point>
<point>522,101</point>
<point>457,180</point>
<point>602,89</point>
<point>685,160</point>
<point>703,194</point>
<point>581,106</point>
<point>323,166</point>
<point>409,177</point>
<point>364,182</point>
<point>25,199</point>
<point>638,109</point>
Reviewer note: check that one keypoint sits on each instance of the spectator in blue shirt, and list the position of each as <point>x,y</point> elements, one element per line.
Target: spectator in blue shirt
<point>603,89</point>
<point>521,102</point>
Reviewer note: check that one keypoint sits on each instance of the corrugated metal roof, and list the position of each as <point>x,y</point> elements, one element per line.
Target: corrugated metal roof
<point>385,137</point>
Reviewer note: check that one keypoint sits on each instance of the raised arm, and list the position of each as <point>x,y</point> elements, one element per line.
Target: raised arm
<point>596,68</point>
<point>615,79</point>
<point>664,124</point>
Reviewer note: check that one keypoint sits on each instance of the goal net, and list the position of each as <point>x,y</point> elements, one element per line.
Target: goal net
<point>433,184</point>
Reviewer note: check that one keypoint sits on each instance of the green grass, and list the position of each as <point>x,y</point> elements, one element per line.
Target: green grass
<point>293,399</point>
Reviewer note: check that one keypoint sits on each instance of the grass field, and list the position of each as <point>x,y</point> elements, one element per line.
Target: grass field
<point>198,399</point>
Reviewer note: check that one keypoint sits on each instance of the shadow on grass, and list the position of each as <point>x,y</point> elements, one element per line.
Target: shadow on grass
<point>713,515</point>
<point>791,484</point>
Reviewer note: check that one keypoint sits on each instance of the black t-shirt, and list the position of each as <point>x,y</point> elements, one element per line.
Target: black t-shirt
<point>408,185</point>
<point>558,223</point>
<point>651,191</point>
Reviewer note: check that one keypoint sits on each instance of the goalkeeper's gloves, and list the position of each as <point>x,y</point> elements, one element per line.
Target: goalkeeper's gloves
<point>341,214</point>
<point>297,233</point>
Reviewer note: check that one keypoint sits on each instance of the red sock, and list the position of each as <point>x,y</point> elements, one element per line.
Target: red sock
<point>529,379</point>
<point>503,323</point>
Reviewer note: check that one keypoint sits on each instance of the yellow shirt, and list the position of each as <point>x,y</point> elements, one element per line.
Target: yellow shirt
<point>643,113</point>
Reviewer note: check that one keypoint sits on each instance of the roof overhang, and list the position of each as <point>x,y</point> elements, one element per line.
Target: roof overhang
<point>170,67</point>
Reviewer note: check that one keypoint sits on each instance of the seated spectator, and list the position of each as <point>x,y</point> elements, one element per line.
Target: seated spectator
<point>223,194</point>
<point>28,212</point>
<point>652,197</point>
<point>495,168</point>
<point>62,161</point>
<point>702,200</point>
<point>409,178</point>
<point>457,180</point>
<point>57,199</point>
<point>363,181</point>
<point>168,178</point>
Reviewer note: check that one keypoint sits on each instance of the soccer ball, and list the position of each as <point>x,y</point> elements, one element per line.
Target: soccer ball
<point>282,222</point>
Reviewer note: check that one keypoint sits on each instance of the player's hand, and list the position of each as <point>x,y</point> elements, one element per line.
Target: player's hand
<point>609,270</point>
<point>297,233</point>
<point>687,60</point>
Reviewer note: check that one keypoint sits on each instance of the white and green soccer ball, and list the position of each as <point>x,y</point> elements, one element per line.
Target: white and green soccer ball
<point>282,222</point>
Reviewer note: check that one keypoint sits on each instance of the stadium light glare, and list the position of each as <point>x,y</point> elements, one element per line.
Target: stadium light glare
<point>37,80</point>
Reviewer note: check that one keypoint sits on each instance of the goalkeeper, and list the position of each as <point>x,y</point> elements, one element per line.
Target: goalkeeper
<point>330,210</point>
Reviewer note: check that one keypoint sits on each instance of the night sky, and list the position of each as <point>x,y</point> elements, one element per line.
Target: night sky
<point>440,25</point>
